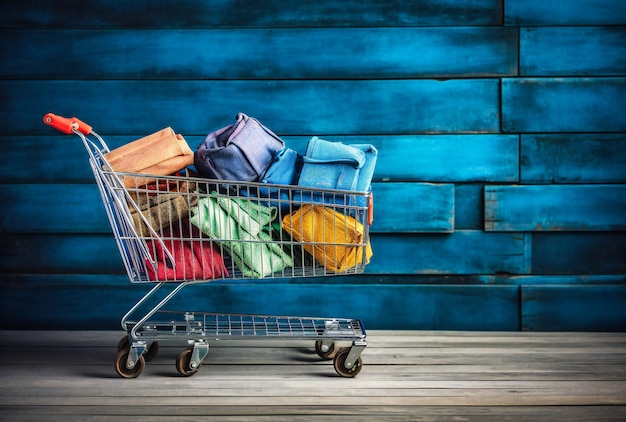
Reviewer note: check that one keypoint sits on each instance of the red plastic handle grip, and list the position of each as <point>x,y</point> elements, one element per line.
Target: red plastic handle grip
<point>66,124</point>
<point>370,210</point>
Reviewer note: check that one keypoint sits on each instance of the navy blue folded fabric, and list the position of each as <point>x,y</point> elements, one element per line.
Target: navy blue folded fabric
<point>242,151</point>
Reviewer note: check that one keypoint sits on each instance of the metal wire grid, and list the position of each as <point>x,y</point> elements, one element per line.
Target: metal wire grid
<point>222,326</point>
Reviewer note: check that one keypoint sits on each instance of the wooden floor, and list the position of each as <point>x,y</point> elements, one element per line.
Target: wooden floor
<point>69,375</point>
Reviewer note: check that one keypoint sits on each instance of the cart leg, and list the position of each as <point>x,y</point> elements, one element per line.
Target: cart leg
<point>136,350</point>
<point>347,361</point>
<point>138,304</point>
<point>355,351</point>
<point>142,321</point>
<point>189,360</point>
<point>200,350</point>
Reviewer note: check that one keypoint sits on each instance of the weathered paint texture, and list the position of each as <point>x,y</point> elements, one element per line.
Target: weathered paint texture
<point>500,189</point>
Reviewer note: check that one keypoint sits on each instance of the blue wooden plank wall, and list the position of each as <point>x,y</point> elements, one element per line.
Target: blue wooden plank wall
<point>501,180</point>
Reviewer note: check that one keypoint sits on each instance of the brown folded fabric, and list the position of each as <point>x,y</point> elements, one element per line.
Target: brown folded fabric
<point>335,240</point>
<point>162,205</point>
<point>161,153</point>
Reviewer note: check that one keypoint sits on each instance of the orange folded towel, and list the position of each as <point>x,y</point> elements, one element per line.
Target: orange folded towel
<point>335,240</point>
<point>161,153</point>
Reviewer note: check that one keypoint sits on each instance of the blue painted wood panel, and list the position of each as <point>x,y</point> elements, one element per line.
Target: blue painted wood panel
<point>77,208</point>
<point>579,253</point>
<point>563,105</point>
<point>568,308</point>
<point>441,158</point>
<point>288,107</point>
<point>263,13</point>
<point>461,252</point>
<point>449,158</point>
<point>555,208</point>
<point>454,253</point>
<point>573,158</point>
<point>318,53</point>
<point>468,206</point>
<point>573,51</point>
<point>413,207</point>
<point>564,12</point>
<point>399,306</point>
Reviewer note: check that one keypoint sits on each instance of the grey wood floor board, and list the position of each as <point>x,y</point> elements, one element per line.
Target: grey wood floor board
<point>407,375</point>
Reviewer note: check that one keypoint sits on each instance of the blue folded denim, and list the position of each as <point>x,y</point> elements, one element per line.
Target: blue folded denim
<point>242,151</point>
<point>334,165</point>
<point>284,171</point>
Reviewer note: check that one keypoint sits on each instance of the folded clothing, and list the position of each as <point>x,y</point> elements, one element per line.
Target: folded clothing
<point>241,151</point>
<point>161,204</point>
<point>335,240</point>
<point>161,153</point>
<point>194,258</point>
<point>243,228</point>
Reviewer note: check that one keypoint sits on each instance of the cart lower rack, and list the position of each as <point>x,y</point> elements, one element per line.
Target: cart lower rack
<point>180,230</point>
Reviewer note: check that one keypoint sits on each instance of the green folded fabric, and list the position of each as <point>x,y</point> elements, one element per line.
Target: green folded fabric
<point>243,228</point>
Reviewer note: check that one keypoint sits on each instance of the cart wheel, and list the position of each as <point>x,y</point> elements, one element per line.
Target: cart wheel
<point>151,352</point>
<point>124,344</point>
<point>340,360</point>
<point>324,355</point>
<point>123,371</point>
<point>183,362</point>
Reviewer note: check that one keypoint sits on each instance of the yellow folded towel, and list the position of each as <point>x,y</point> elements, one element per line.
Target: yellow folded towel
<point>161,153</point>
<point>335,240</point>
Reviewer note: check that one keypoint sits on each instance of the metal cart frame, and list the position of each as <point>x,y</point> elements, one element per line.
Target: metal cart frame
<point>340,339</point>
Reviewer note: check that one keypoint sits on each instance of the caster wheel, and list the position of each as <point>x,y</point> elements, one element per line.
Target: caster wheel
<point>124,344</point>
<point>183,363</point>
<point>340,360</point>
<point>151,352</point>
<point>148,354</point>
<point>329,354</point>
<point>123,371</point>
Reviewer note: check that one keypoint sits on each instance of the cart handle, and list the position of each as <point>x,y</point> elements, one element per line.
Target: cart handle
<point>66,125</point>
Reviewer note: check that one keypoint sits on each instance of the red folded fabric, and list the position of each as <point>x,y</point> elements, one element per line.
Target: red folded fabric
<point>194,258</point>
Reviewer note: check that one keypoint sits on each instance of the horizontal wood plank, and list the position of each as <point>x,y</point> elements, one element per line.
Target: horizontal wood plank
<point>563,105</point>
<point>555,208</point>
<point>413,207</point>
<point>433,158</point>
<point>77,208</point>
<point>448,158</point>
<point>579,253</point>
<point>264,13</point>
<point>301,53</point>
<point>573,158</point>
<point>580,308</point>
<point>288,107</point>
<point>468,206</point>
<point>454,253</point>
<point>564,12</point>
<point>407,375</point>
<point>67,306</point>
<point>419,253</point>
<point>572,51</point>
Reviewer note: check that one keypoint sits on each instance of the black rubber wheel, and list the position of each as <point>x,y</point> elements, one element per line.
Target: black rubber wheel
<point>324,355</point>
<point>340,360</point>
<point>183,362</point>
<point>151,351</point>
<point>123,371</point>
<point>124,344</point>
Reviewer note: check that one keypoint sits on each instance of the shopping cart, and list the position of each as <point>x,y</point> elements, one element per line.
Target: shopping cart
<point>256,230</point>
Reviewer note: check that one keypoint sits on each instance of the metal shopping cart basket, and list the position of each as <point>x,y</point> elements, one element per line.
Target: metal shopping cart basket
<point>254,231</point>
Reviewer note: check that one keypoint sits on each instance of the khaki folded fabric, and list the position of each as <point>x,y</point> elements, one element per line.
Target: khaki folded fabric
<point>163,206</point>
<point>335,240</point>
<point>161,153</point>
